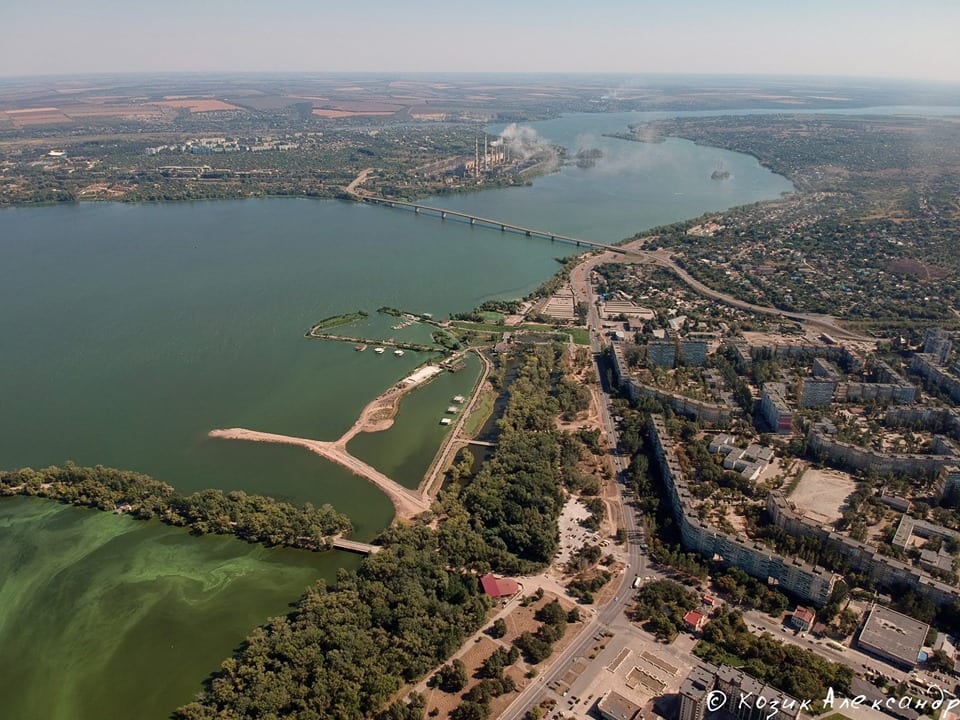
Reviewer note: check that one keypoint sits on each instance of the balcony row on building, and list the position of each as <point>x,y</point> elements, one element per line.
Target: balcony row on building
<point>741,695</point>
<point>820,443</point>
<point>928,367</point>
<point>717,413</point>
<point>745,353</point>
<point>885,571</point>
<point>813,584</point>
<point>827,386</point>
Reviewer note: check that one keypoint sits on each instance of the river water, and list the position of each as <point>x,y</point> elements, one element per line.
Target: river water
<point>127,332</point>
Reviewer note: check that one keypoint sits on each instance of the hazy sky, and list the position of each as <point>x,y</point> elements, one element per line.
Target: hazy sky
<point>893,38</point>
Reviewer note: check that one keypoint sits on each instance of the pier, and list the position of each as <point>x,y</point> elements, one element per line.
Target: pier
<point>365,342</point>
<point>488,222</point>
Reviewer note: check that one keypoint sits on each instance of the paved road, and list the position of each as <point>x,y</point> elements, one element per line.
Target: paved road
<point>611,613</point>
<point>636,561</point>
<point>824,323</point>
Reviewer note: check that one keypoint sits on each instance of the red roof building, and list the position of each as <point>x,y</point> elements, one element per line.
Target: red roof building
<point>695,620</point>
<point>803,618</point>
<point>498,587</point>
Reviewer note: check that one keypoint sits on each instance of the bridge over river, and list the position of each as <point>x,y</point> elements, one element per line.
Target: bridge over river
<point>487,222</point>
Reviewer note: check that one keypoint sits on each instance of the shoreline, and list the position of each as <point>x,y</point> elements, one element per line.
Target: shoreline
<point>377,416</point>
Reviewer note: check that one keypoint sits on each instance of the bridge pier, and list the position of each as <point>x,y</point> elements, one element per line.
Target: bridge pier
<point>487,222</point>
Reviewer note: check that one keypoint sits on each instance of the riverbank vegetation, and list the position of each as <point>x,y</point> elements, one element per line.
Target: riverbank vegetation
<point>337,320</point>
<point>410,606</point>
<point>347,649</point>
<point>253,518</point>
<point>505,517</point>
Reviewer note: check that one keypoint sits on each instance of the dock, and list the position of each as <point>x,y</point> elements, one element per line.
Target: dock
<point>357,342</point>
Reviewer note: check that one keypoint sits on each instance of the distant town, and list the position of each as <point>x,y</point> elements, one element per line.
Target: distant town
<point>716,460</point>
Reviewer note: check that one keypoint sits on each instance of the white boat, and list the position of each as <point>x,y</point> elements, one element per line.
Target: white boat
<point>378,351</point>
<point>452,410</point>
<point>444,421</point>
<point>398,353</point>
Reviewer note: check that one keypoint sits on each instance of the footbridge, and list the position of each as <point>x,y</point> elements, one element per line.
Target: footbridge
<point>443,214</point>
<point>354,546</point>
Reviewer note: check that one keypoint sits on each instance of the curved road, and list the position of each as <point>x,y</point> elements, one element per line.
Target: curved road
<point>826,323</point>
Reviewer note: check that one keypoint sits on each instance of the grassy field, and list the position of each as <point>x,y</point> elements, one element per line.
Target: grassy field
<point>480,413</point>
<point>581,336</point>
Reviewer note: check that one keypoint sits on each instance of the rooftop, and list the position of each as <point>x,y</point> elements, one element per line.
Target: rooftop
<point>616,706</point>
<point>498,587</point>
<point>894,634</point>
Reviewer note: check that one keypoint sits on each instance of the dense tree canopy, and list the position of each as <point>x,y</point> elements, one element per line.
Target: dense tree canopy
<point>347,649</point>
<point>254,518</point>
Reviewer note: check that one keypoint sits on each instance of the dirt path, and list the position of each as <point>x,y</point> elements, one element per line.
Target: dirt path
<point>378,415</point>
<point>406,502</point>
<point>358,180</point>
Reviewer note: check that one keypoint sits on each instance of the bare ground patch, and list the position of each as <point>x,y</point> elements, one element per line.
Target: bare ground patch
<point>822,493</point>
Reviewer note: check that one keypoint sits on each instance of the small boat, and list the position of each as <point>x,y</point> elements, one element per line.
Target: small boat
<point>459,398</point>
<point>378,351</point>
<point>453,410</point>
<point>398,353</point>
<point>445,421</point>
<point>359,348</point>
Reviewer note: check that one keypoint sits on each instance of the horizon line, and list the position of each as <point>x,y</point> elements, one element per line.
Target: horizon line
<point>482,73</point>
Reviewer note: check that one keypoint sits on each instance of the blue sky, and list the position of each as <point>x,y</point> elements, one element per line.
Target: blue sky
<point>878,38</point>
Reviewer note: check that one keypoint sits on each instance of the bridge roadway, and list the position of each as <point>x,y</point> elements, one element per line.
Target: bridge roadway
<point>474,219</point>
<point>824,323</point>
<point>354,546</point>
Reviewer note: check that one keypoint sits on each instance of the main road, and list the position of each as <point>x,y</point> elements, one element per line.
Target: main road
<point>636,558</point>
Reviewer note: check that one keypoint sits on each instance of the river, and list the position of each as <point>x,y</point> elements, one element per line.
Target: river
<point>130,331</point>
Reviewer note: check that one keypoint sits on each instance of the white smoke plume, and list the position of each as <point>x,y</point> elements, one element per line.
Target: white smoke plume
<point>523,141</point>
